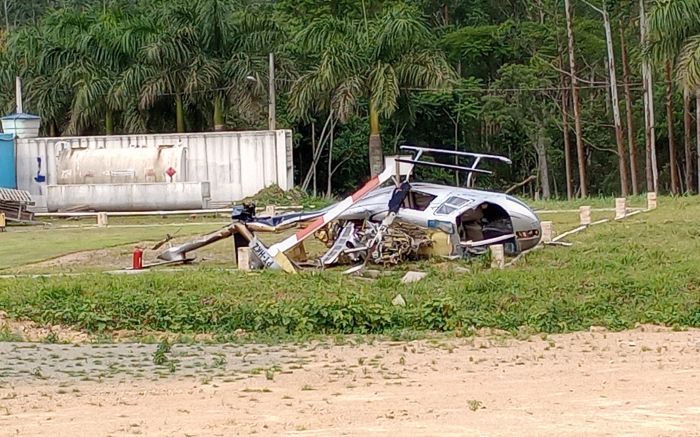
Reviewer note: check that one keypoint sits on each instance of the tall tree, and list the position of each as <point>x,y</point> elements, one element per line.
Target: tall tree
<point>377,59</point>
<point>580,151</point>
<point>674,40</point>
<point>631,132</point>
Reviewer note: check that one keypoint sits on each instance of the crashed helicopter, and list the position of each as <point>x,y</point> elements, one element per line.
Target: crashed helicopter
<point>390,224</point>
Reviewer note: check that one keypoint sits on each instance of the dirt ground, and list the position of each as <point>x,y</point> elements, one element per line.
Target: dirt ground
<point>639,382</point>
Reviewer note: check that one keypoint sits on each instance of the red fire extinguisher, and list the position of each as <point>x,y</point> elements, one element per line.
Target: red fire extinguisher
<point>137,259</point>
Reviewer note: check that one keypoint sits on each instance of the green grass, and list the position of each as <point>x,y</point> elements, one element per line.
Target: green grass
<point>27,245</point>
<point>645,269</point>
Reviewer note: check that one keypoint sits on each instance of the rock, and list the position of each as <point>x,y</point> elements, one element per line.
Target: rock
<point>413,277</point>
<point>374,274</point>
<point>398,301</point>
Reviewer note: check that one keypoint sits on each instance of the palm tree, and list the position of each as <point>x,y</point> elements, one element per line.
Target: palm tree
<point>376,60</point>
<point>674,39</point>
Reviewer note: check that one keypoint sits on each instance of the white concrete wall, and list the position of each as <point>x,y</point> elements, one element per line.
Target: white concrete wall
<point>161,196</point>
<point>236,164</point>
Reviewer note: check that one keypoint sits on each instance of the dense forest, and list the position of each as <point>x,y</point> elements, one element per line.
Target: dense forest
<point>559,86</point>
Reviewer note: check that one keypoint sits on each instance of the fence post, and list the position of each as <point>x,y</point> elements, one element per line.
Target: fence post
<point>270,210</point>
<point>651,200</point>
<point>102,219</point>
<point>620,208</point>
<point>243,258</point>
<point>498,259</point>
<point>547,232</point>
<point>585,215</point>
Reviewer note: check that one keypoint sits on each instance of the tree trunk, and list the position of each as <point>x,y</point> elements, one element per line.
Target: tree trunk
<point>567,142</point>
<point>219,122</point>
<point>631,133</point>
<point>53,132</point>
<point>673,161</point>
<point>313,153</point>
<point>109,122</point>
<point>376,157</point>
<point>686,140</point>
<point>329,187</point>
<point>542,164</point>
<point>652,169</point>
<point>697,131</point>
<point>179,114</point>
<point>619,136</point>
<point>7,16</point>
<point>576,103</point>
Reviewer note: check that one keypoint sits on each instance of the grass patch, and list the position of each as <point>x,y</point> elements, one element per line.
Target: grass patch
<point>21,246</point>
<point>642,270</point>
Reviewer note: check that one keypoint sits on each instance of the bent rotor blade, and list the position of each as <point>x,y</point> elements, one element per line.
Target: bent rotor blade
<point>332,214</point>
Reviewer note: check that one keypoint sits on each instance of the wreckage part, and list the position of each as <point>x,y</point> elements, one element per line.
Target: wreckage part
<point>487,242</point>
<point>298,253</point>
<point>179,253</point>
<point>332,213</point>
<point>440,245</point>
<point>341,244</point>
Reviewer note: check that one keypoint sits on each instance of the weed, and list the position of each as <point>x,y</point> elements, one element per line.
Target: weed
<point>474,404</point>
<point>51,337</point>
<point>159,356</point>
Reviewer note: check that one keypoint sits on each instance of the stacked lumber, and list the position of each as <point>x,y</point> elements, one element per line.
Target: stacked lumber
<point>14,203</point>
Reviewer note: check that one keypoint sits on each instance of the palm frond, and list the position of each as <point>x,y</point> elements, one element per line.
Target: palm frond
<point>689,63</point>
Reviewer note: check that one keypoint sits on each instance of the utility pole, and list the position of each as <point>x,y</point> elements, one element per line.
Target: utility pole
<point>18,95</point>
<point>272,117</point>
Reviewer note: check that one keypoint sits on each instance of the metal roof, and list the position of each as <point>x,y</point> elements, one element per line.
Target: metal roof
<point>10,195</point>
<point>21,116</point>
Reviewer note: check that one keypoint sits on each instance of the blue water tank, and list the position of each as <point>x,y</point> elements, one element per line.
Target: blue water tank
<point>8,175</point>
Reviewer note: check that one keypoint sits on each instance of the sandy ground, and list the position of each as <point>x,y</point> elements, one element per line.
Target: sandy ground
<point>640,382</point>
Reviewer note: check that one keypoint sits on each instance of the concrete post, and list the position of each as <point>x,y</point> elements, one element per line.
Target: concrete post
<point>270,210</point>
<point>651,200</point>
<point>243,258</point>
<point>2,222</point>
<point>498,259</point>
<point>585,215</point>
<point>547,232</point>
<point>102,219</point>
<point>620,208</point>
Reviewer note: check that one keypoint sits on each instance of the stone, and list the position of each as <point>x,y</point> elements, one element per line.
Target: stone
<point>413,277</point>
<point>398,301</point>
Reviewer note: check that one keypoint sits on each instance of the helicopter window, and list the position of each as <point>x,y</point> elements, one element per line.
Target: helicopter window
<point>456,201</point>
<point>451,204</point>
<point>418,201</point>
<point>445,209</point>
